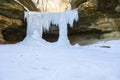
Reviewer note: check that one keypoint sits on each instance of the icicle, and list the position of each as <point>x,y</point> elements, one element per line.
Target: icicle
<point>72,16</point>
<point>76,15</point>
<point>46,20</point>
<point>55,18</point>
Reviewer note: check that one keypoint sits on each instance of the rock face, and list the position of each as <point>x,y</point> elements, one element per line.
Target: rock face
<point>52,5</point>
<point>107,5</point>
<point>12,25</point>
<point>76,3</point>
<point>10,14</point>
<point>98,20</point>
<point>29,4</point>
<point>99,17</point>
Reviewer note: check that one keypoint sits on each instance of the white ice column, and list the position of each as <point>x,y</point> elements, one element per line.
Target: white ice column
<point>63,31</point>
<point>34,26</point>
<point>66,18</point>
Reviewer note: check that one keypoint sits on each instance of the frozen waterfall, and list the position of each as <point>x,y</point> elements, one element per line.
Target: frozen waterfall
<point>38,22</point>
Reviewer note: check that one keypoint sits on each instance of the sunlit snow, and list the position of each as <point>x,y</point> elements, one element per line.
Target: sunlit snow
<point>48,62</point>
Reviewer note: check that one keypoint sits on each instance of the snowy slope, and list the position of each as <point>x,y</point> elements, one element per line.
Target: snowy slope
<point>51,62</point>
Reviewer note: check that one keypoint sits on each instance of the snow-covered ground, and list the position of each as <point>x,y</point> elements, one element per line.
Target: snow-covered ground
<point>51,62</point>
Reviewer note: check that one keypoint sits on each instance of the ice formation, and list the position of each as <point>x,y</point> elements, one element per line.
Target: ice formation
<point>38,22</point>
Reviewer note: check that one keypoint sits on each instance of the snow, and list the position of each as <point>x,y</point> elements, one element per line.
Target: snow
<point>52,62</point>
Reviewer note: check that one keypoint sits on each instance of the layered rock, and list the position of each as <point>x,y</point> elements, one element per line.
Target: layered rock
<point>29,4</point>
<point>95,17</point>
<point>12,20</point>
